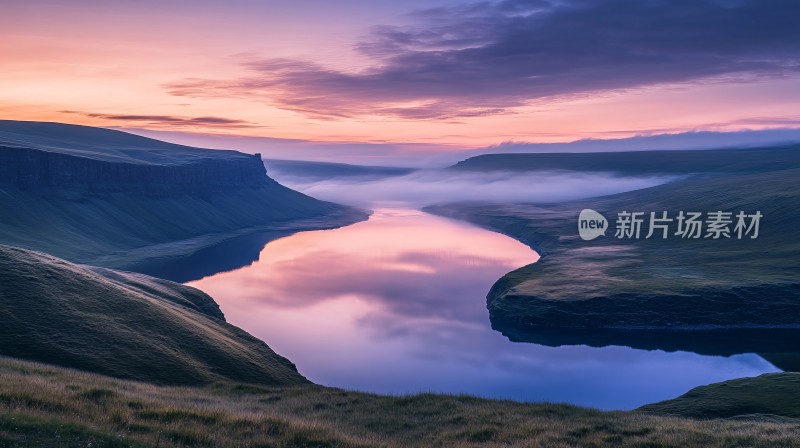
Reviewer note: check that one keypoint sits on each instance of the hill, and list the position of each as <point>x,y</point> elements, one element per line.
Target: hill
<point>128,414</point>
<point>104,144</point>
<point>109,198</point>
<point>125,325</point>
<point>771,395</point>
<point>651,284</point>
<point>639,163</point>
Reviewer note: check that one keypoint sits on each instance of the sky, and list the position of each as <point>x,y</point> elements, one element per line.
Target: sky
<point>423,76</point>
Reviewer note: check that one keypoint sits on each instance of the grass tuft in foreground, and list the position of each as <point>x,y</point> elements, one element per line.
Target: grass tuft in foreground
<point>44,406</point>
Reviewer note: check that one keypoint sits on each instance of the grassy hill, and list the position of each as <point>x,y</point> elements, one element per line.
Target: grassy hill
<point>44,406</point>
<point>775,394</point>
<point>109,198</point>
<point>122,230</point>
<point>634,163</point>
<point>125,325</point>
<point>651,284</point>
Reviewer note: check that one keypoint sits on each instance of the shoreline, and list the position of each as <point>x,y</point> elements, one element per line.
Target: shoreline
<point>177,250</point>
<point>643,285</point>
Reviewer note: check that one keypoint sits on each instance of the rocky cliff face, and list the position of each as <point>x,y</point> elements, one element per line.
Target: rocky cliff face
<point>113,199</point>
<point>35,169</point>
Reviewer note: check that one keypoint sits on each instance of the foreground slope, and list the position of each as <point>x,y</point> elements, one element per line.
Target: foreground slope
<point>54,412</point>
<point>776,394</point>
<point>652,284</point>
<point>114,199</point>
<point>125,325</point>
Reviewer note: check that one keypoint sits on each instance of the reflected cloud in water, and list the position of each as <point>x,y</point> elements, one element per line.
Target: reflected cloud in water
<point>396,304</point>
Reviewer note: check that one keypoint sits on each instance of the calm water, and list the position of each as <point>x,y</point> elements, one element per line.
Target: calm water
<point>397,305</point>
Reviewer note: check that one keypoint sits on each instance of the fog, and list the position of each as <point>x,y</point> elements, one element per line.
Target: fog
<point>426,187</point>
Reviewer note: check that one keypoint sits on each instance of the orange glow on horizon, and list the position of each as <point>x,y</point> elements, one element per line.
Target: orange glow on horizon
<point>84,65</point>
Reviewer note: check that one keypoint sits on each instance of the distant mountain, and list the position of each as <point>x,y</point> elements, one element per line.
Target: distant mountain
<point>692,140</point>
<point>125,325</point>
<point>634,163</point>
<point>115,199</point>
<point>300,170</point>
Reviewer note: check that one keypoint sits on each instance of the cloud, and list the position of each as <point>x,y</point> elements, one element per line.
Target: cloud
<point>490,57</point>
<point>167,121</point>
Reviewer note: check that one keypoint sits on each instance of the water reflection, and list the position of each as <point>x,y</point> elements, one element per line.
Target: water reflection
<point>780,346</point>
<point>234,253</point>
<point>396,304</point>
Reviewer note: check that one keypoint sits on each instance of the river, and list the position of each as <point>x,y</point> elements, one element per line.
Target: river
<point>396,305</point>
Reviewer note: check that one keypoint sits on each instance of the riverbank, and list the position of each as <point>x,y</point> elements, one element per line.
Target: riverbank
<point>651,284</point>
<point>157,259</point>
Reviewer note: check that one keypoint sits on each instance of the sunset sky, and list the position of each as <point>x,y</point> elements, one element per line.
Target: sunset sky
<point>436,73</point>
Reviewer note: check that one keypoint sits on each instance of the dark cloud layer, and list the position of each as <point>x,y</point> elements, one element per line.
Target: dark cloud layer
<point>167,120</point>
<point>487,58</point>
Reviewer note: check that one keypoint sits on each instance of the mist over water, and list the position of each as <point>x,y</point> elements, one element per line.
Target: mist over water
<point>426,187</point>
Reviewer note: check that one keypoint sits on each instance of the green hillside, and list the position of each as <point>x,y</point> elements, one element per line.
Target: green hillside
<point>656,283</point>
<point>125,325</point>
<point>46,406</point>
<point>767,395</point>
<point>114,199</point>
<point>120,230</point>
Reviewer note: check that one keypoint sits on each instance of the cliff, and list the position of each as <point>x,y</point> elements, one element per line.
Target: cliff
<point>34,169</point>
<point>114,199</point>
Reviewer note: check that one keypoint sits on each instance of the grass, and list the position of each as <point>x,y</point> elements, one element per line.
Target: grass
<point>113,199</point>
<point>124,324</point>
<point>651,284</point>
<point>45,406</point>
<point>766,395</point>
<point>119,230</point>
<point>103,144</point>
